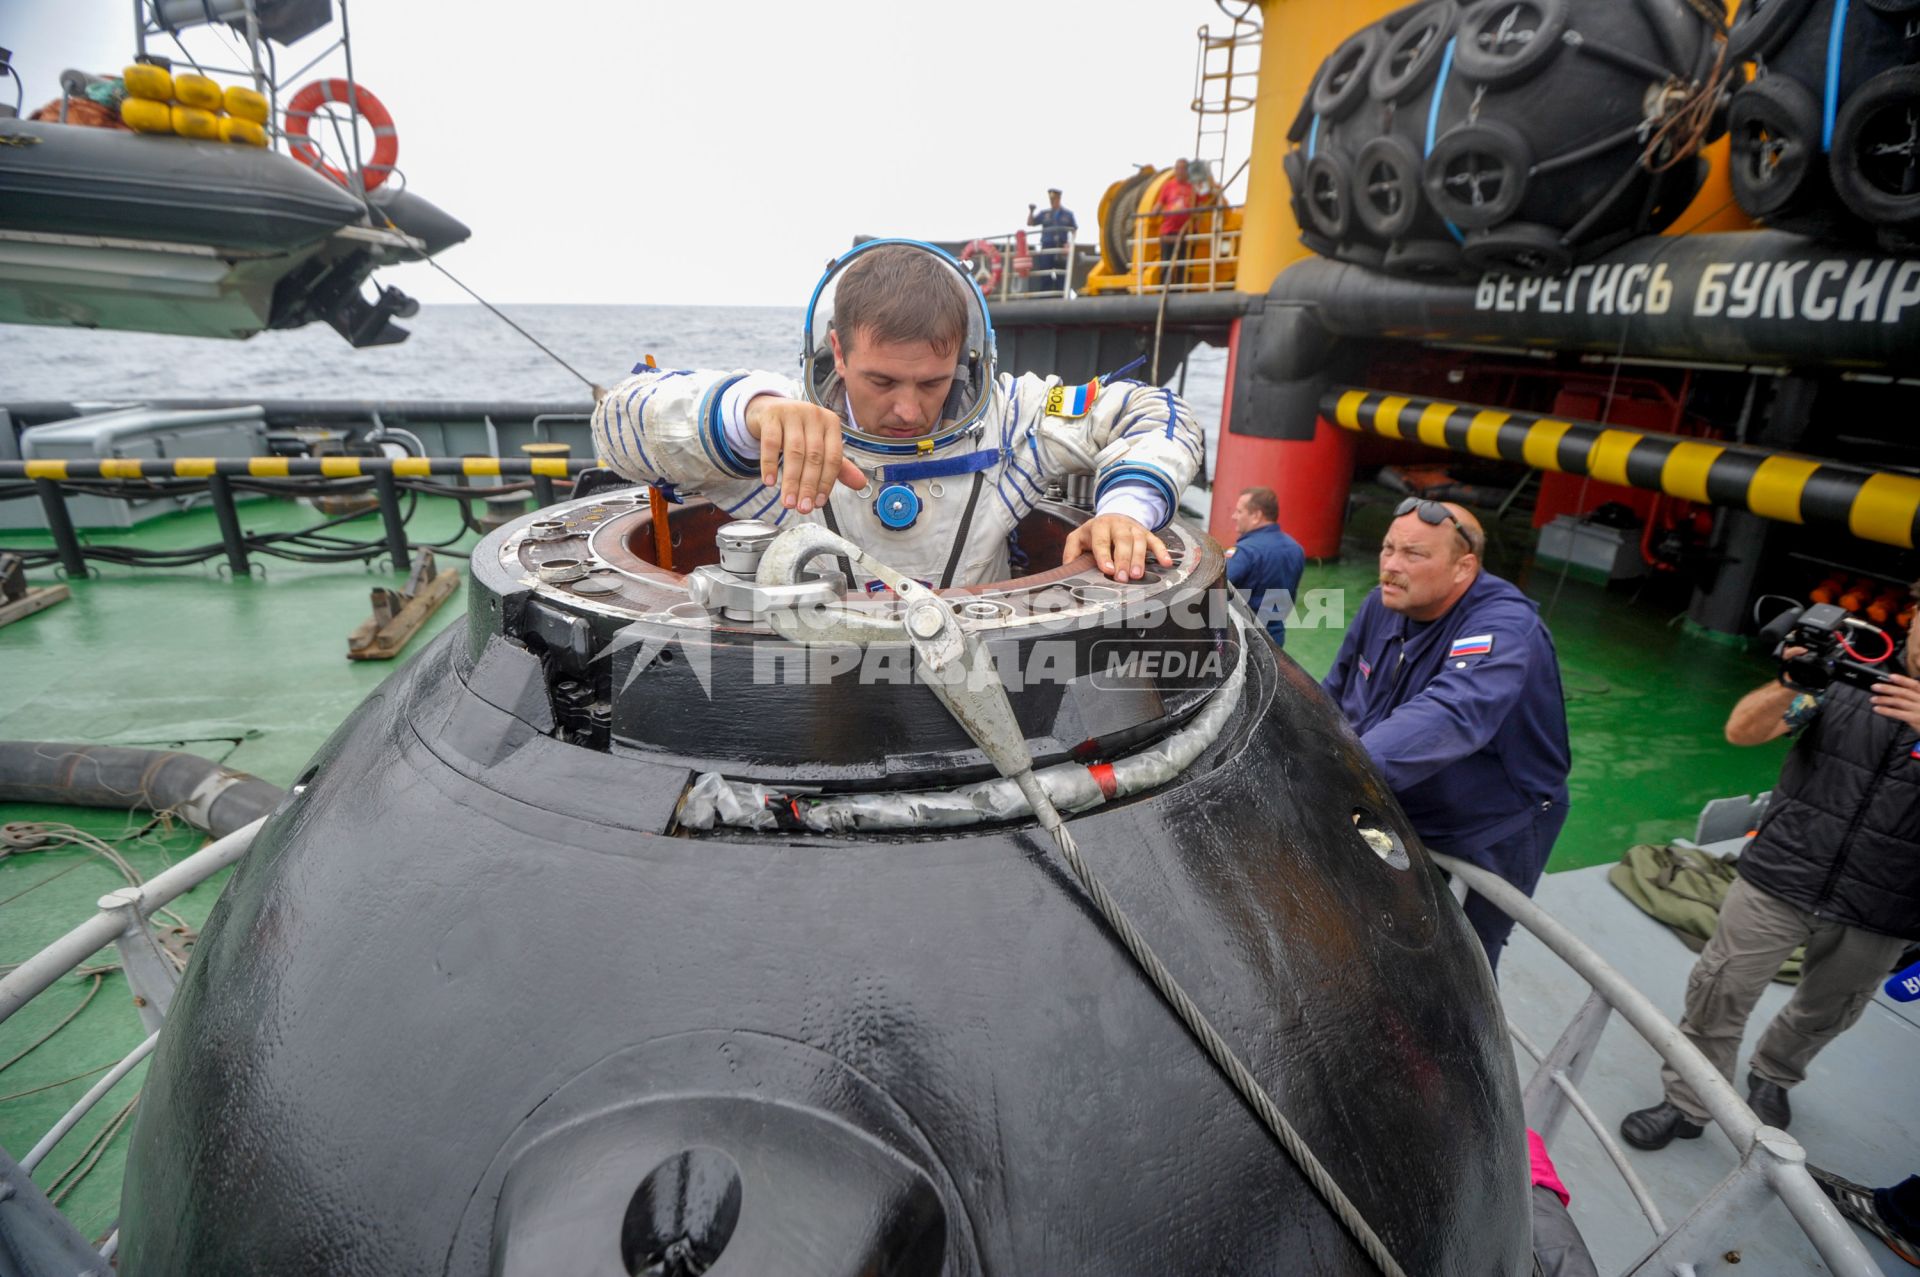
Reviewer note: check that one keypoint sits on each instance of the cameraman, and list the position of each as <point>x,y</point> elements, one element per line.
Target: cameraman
<point>1835,866</point>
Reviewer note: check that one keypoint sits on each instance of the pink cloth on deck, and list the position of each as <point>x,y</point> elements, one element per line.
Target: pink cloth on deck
<point>1542,1166</point>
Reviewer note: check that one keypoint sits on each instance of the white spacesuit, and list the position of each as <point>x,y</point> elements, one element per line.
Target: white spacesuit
<point>938,508</point>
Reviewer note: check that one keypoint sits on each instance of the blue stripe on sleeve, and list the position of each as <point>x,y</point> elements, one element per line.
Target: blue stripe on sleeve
<point>771,501</point>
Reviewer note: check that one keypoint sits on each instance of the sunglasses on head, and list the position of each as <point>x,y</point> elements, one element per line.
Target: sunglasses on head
<point>1434,513</point>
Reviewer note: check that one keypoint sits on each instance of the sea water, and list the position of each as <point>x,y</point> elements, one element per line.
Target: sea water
<point>453,353</point>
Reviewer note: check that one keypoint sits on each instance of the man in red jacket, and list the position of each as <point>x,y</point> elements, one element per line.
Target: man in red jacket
<point>1174,205</point>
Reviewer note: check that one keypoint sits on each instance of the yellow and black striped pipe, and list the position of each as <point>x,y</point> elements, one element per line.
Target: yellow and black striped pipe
<point>1872,504</point>
<point>291,467</point>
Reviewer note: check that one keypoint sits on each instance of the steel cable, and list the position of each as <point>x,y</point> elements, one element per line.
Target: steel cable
<point>1196,1021</point>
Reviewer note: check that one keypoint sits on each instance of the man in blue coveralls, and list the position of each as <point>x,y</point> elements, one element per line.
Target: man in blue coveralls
<point>1265,563</point>
<point>1450,679</point>
<point>1057,227</point>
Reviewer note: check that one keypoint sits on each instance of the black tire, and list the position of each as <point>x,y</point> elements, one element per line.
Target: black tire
<point>1476,174</point>
<point>1386,187</point>
<point>1873,162</point>
<point>1506,42</point>
<point>1425,259</point>
<point>1893,6</point>
<point>1775,128</point>
<point>1518,248</point>
<point>1294,165</point>
<point>1762,26</point>
<point>1409,58</point>
<point>1329,195</point>
<point>1406,13</point>
<point>1342,83</point>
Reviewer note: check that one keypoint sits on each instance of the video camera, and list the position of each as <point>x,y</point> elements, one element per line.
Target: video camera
<point>1823,631</point>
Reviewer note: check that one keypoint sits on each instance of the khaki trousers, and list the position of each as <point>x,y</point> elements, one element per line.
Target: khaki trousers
<point>1756,933</point>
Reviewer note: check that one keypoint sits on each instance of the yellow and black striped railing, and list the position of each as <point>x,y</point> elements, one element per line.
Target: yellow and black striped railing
<point>64,469</point>
<point>50,479</point>
<point>1872,504</point>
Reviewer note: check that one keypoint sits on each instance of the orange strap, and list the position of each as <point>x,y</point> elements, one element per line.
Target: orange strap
<point>662,530</point>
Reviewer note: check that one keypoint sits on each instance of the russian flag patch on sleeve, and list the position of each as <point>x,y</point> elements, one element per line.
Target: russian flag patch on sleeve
<point>1071,401</point>
<point>1474,645</point>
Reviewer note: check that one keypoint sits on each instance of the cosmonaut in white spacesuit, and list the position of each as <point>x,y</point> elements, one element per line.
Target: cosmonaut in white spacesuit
<point>901,437</point>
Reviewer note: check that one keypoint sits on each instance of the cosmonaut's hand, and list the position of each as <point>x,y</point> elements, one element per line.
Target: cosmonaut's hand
<point>1898,697</point>
<point>801,450</point>
<point>1119,545</point>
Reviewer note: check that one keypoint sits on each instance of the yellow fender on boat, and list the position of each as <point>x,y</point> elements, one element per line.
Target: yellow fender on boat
<point>150,82</point>
<point>245,104</point>
<point>196,91</point>
<point>191,121</point>
<point>145,116</point>
<point>242,132</point>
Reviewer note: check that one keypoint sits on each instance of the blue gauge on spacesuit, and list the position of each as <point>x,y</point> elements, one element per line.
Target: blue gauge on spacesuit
<point>972,388</point>
<point>897,506</point>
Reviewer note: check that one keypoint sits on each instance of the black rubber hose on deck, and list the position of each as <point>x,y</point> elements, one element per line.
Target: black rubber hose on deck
<point>212,798</point>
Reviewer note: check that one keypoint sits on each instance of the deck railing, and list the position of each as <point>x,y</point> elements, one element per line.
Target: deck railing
<point>1012,265</point>
<point>1772,1163</point>
<point>122,921</point>
<point>1198,258</point>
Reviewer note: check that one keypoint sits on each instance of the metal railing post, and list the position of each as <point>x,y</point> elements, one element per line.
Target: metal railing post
<point>389,493</point>
<point>94,1095</point>
<point>1703,1232</point>
<point>220,489</point>
<point>38,973</point>
<point>1544,1101</point>
<point>60,524</point>
<point>150,972</point>
<point>543,493</point>
<point>1771,1161</point>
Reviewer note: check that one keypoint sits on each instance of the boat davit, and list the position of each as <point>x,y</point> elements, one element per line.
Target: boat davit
<point>681,921</point>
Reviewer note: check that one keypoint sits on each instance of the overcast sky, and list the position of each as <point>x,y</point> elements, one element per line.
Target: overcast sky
<point>671,151</point>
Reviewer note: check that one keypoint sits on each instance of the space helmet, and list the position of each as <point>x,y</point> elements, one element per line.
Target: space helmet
<point>972,390</point>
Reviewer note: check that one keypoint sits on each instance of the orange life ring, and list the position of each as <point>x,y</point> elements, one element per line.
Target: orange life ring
<point>983,263</point>
<point>359,100</point>
<point>1022,259</point>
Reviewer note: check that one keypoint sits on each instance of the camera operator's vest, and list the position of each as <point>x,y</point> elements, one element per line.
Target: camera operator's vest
<point>1841,837</point>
